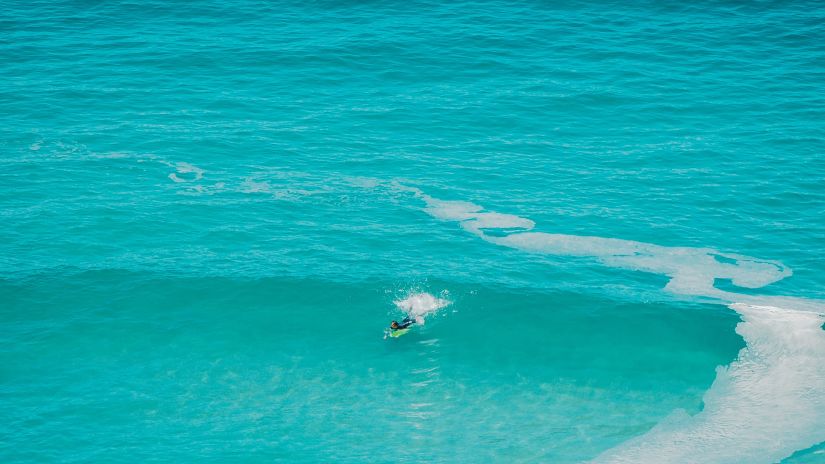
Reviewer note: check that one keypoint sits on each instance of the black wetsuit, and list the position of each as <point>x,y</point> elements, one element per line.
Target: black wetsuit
<point>404,324</point>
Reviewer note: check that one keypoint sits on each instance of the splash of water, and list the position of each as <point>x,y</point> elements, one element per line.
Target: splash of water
<point>419,305</point>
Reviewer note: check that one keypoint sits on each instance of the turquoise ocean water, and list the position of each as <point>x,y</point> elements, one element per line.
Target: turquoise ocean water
<point>609,218</point>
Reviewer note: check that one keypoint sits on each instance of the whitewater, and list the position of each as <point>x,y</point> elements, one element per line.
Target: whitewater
<point>762,407</point>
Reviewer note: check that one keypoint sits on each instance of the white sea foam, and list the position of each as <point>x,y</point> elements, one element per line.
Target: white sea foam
<point>363,182</point>
<point>481,221</point>
<point>420,305</point>
<point>692,271</point>
<point>452,210</point>
<point>768,403</point>
<point>761,408</point>
<point>186,168</point>
<point>249,185</point>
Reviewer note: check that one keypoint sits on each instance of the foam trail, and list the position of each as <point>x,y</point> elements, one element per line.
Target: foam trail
<point>692,271</point>
<point>421,305</point>
<point>761,408</point>
<point>185,168</point>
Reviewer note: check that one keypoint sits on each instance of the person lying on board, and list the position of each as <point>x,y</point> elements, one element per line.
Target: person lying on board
<point>403,325</point>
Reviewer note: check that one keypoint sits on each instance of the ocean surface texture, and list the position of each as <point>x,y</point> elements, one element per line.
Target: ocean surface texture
<point>608,219</point>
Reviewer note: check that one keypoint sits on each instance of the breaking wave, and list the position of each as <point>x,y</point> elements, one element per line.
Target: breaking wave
<point>419,305</point>
<point>765,405</point>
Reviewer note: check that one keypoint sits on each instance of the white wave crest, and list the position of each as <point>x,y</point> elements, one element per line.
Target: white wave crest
<point>420,305</point>
<point>766,404</point>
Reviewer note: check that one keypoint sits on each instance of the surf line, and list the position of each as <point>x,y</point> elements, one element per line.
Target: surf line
<point>765,405</point>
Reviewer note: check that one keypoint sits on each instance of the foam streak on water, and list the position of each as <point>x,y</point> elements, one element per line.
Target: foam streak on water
<point>761,408</point>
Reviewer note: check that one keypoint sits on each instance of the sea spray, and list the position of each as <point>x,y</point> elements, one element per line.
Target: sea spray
<point>420,305</point>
